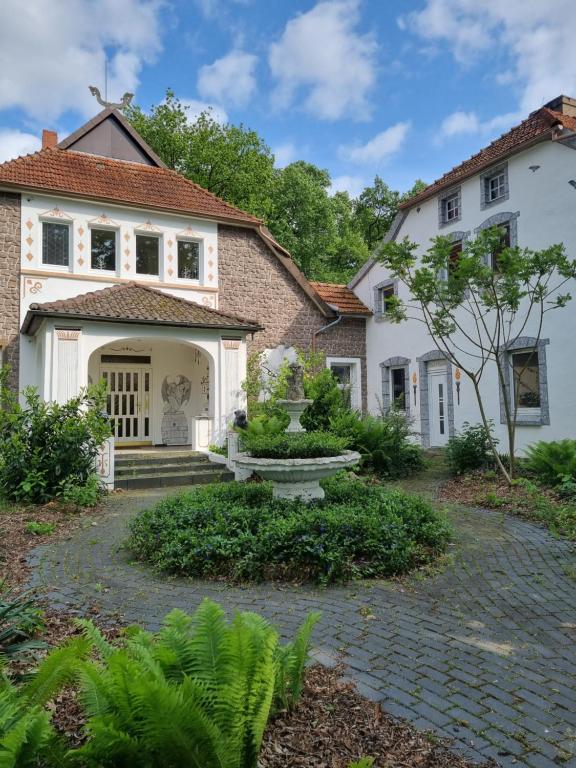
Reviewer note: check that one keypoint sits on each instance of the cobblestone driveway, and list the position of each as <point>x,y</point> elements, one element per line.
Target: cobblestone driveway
<point>482,652</point>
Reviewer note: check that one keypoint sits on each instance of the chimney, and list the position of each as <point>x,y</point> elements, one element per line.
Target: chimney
<point>49,139</point>
<point>563,104</point>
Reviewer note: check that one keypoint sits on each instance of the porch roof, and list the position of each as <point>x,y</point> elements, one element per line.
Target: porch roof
<point>136,303</point>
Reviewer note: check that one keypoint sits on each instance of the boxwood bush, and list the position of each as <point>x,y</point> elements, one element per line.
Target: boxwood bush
<point>239,532</point>
<point>294,445</point>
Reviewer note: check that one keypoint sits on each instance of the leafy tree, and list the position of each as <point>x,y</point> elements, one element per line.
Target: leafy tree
<point>376,208</point>
<point>231,161</point>
<point>473,311</point>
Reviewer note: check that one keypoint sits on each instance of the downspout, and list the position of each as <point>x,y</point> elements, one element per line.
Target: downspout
<point>326,327</point>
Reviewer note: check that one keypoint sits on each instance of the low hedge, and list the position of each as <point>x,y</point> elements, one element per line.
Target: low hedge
<point>295,445</point>
<point>239,532</point>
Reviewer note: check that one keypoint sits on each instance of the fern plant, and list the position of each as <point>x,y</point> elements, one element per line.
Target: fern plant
<point>20,620</point>
<point>27,738</point>
<point>552,462</point>
<point>198,693</point>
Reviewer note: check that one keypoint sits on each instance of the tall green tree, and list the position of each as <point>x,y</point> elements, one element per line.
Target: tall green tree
<point>231,161</point>
<point>376,208</point>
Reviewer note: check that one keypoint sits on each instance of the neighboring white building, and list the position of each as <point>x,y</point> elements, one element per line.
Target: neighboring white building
<point>526,182</point>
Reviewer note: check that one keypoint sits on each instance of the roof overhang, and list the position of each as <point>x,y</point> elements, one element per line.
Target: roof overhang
<point>34,318</point>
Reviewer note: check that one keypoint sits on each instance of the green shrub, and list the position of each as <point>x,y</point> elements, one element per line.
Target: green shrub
<point>39,529</point>
<point>81,495</point>
<point>470,449</point>
<point>48,447</point>
<point>553,462</point>
<point>328,401</point>
<point>240,532</point>
<point>384,443</point>
<point>222,450</point>
<point>295,445</point>
<point>20,621</point>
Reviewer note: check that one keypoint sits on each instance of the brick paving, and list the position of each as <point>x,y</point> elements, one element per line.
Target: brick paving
<point>481,651</point>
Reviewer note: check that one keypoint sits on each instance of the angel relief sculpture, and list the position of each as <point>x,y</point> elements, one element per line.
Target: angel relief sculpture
<point>175,393</point>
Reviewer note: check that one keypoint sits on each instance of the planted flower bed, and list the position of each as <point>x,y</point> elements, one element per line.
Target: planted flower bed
<point>240,532</point>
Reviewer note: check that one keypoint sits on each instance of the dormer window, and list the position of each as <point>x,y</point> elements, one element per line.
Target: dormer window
<point>494,186</point>
<point>450,207</point>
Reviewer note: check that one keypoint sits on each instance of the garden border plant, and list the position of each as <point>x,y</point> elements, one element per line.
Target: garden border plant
<point>239,532</point>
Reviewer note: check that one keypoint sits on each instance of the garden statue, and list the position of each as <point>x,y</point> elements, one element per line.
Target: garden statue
<point>240,419</point>
<point>295,382</point>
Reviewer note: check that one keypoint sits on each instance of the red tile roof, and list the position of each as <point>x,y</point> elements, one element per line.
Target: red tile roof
<point>341,297</point>
<point>137,303</point>
<point>102,178</point>
<point>536,127</point>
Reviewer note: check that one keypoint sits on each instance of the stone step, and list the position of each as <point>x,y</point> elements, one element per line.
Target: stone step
<point>173,479</point>
<point>159,459</point>
<point>166,468</point>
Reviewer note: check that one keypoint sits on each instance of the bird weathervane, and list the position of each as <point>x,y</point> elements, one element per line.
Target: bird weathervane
<point>122,104</point>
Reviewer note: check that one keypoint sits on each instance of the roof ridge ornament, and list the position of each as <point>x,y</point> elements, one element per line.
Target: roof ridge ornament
<point>122,104</point>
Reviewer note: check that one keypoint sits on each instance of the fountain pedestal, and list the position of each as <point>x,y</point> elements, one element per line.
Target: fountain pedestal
<point>295,409</point>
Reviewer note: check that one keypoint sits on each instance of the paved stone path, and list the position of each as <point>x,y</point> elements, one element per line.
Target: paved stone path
<point>482,651</point>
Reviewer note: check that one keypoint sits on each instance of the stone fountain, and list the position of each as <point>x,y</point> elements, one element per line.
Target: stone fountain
<point>296,478</point>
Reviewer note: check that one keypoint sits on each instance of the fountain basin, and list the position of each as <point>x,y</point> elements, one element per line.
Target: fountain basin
<point>297,478</point>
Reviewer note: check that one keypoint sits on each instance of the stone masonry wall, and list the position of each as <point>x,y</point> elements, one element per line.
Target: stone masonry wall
<point>10,280</point>
<point>254,284</point>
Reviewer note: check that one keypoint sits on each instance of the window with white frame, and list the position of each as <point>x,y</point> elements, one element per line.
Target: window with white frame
<point>103,249</point>
<point>494,186</point>
<point>188,259</point>
<point>347,373</point>
<point>55,243</point>
<point>450,207</point>
<point>526,381</point>
<point>147,255</point>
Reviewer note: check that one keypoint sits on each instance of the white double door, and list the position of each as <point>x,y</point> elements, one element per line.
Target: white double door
<point>128,402</point>
<point>438,402</point>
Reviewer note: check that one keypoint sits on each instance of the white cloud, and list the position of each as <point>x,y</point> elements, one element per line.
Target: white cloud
<point>195,107</point>
<point>322,54</point>
<point>284,154</point>
<point>468,123</point>
<point>378,149</point>
<point>537,35</point>
<point>351,184</point>
<point>229,80</point>
<point>14,143</point>
<point>50,54</point>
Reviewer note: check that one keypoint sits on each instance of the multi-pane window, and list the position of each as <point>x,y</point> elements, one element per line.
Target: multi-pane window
<point>526,373</point>
<point>103,249</point>
<point>188,259</point>
<point>147,254</point>
<point>343,373</point>
<point>495,187</point>
<point>399,388</point>
<point>55,244</point>
<point>451,208</point>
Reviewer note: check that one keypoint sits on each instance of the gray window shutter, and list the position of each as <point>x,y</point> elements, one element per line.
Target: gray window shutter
<point>377,304</point>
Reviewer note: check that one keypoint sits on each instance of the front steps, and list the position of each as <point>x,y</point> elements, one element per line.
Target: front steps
<point>164,467</point>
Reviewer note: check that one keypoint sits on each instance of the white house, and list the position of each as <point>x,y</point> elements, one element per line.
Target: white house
<point>524,181</point>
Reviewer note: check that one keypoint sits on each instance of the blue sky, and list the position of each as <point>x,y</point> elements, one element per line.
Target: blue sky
<point>399,88</point>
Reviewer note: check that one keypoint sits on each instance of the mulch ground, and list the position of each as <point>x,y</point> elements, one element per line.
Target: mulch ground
<point>333,725</point>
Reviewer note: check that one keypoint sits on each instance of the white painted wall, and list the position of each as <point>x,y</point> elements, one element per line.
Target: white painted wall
<point>44,282</point>
<point>547,206</point>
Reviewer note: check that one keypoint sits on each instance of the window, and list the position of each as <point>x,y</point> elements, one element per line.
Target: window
<point>526,372</point>
<point>399,388</point>
<point>494,186</point>
<point>103,249</point>
<point>505,241</point>
<point>347,373</point>
<point>383,292</point>
<point>188,259</point>
<point>454,258</point>
<point>450,207</point>
<point>147,255</point>
<point>55,244</point>
<point>386,294</point>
